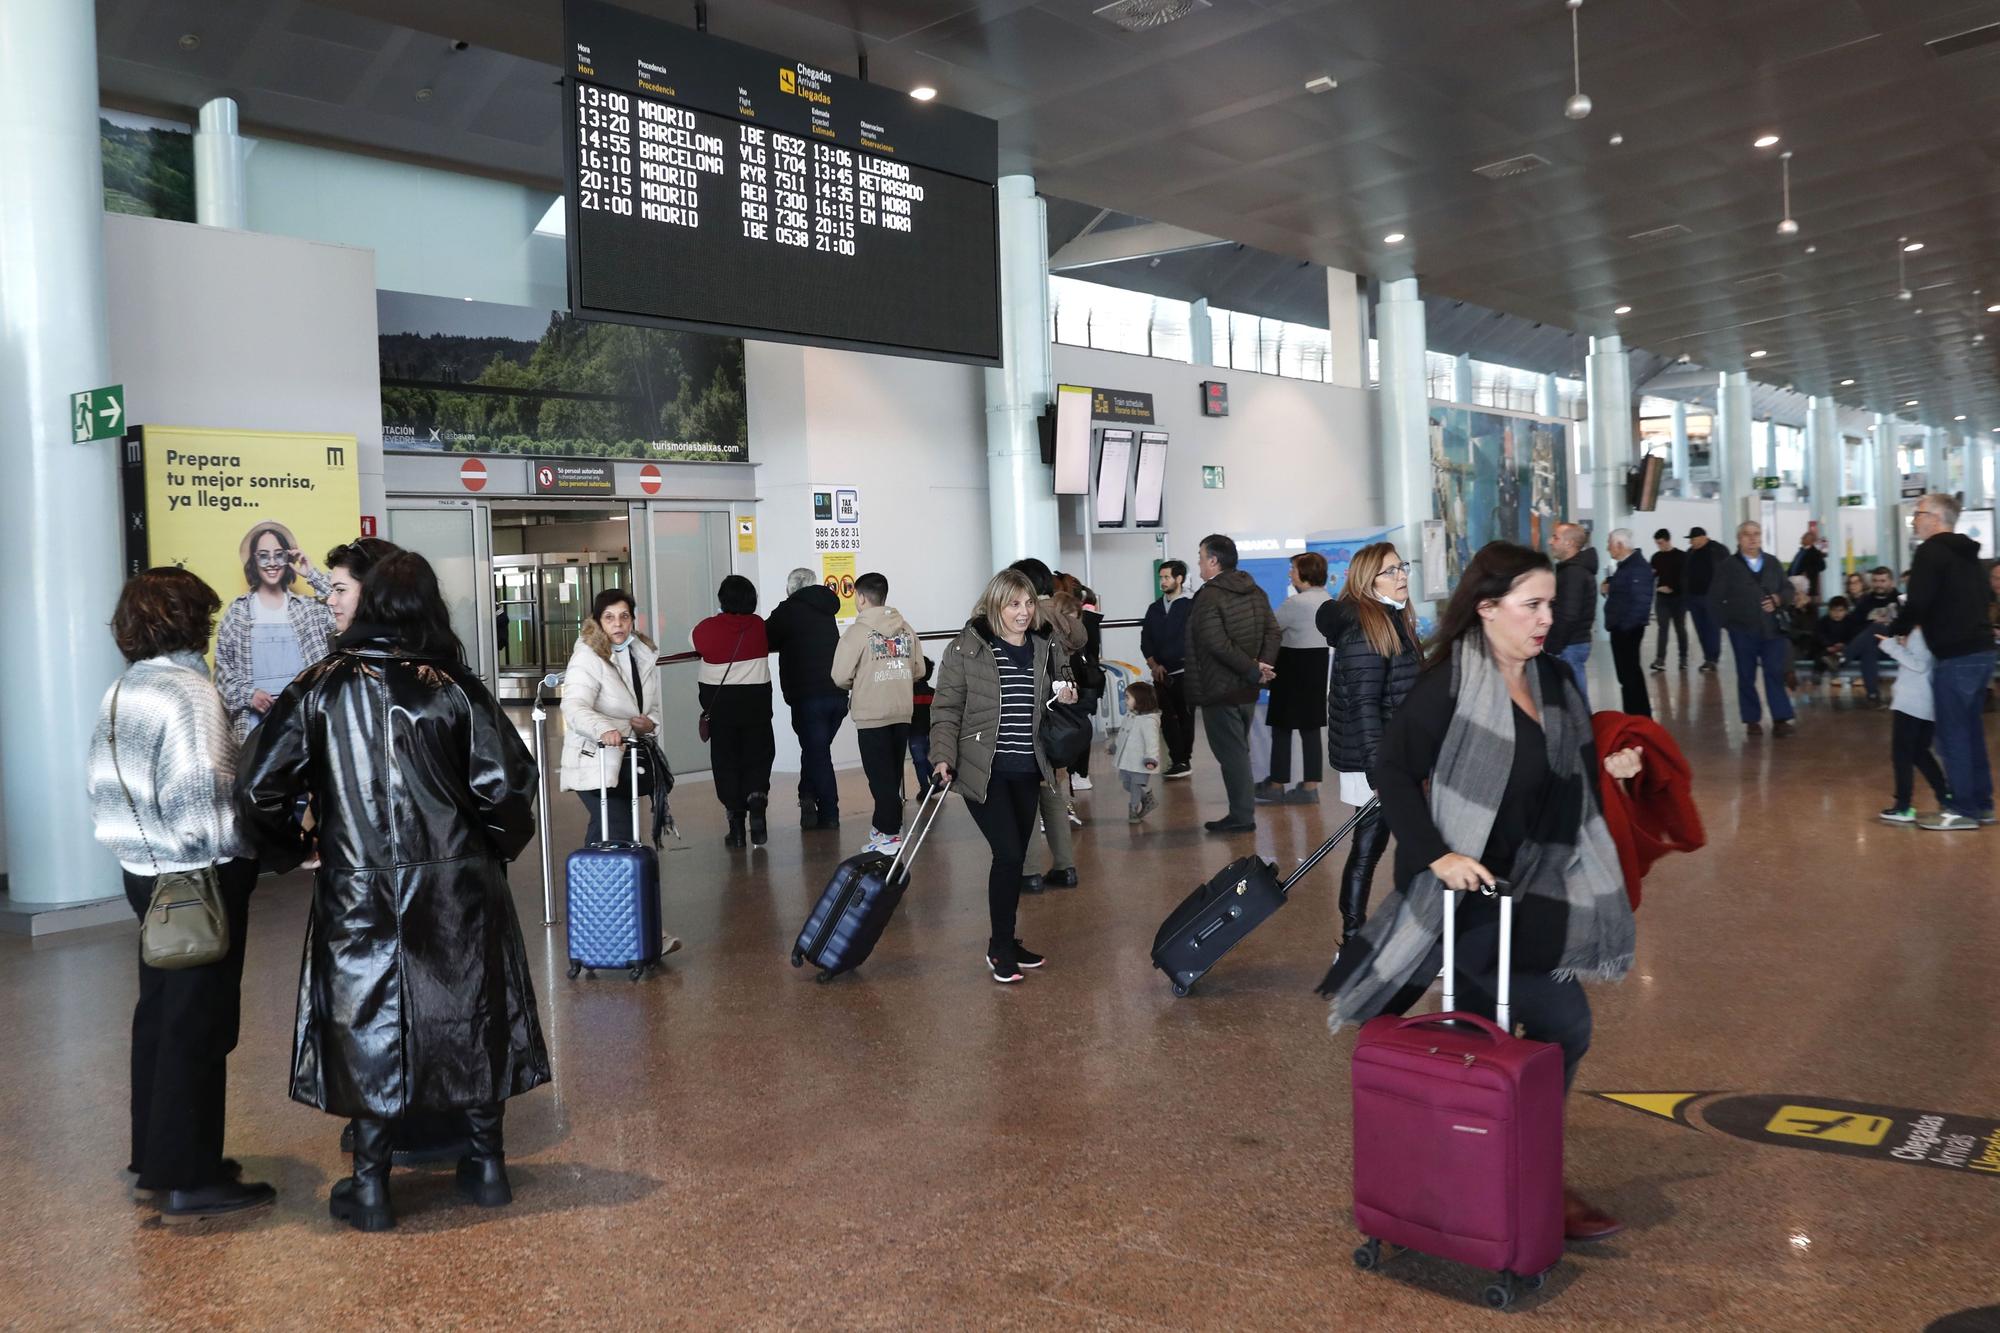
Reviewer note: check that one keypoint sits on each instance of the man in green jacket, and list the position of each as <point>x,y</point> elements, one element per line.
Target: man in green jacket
<point>1232,643</point>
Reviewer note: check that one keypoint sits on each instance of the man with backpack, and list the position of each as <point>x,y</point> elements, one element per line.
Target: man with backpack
<point>878,662</point>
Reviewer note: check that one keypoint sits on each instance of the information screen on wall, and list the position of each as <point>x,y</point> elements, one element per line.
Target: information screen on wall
<point>717,187</point>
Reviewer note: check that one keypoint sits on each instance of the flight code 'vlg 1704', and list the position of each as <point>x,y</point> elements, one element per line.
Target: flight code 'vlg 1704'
<point>656,162</point>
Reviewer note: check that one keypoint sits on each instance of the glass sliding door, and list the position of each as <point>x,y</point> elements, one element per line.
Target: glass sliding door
<point>456,541</point>
<point>689,551</point>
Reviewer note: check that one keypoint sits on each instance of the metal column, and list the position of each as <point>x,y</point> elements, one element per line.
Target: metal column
<point>1680,446</point>
<point>60,519</point>
<point>1823,450</point>
<point>1732,450</point>
<point>1609,381</point>
<point>1888,482</point>
<point>1021,491</point>
<point>220,199</point>
<point>1461,378</point>
<point>1406,430</point>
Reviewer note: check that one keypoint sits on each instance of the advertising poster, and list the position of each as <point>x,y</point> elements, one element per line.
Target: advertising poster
<point>148,166</point>
<point>1495,478</point>
<point>479,377</point>
<point>253,514</point>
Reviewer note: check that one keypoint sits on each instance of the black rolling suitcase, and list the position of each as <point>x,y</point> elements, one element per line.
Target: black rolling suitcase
<point>1211,920</point>
<point>859,899</point>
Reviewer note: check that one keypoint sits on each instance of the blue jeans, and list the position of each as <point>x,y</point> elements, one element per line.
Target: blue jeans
<point>1866,652</point>
<point>1705,628</point>
<point>1752,652</point>
<point>920,758</point>
<point>1578,657</point>
<point>815,719</point>
<point>1958,685</point>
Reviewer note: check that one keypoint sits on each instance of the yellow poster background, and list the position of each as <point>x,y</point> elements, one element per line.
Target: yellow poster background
<point>205,490</point>
<point>837,573</point>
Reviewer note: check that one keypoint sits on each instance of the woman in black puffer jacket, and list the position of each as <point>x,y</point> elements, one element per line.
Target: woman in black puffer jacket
<point>1373,631</point>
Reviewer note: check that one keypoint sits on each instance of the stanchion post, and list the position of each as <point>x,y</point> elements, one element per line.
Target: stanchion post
<point>540,715</point>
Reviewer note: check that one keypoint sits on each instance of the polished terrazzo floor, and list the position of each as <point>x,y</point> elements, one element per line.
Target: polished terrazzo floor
<point>729,1145</point>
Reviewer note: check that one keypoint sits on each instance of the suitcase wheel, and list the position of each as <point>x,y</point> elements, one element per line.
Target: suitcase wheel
<point>1501,1294</point>
<point>823,976</point>
<point>1368,1254</point>
<point>574,968</point>
<point>1180,990</point>
<point>636,971</point>
<point>1535,1283</point>
<point>798,959</point>
<point>590,972</point>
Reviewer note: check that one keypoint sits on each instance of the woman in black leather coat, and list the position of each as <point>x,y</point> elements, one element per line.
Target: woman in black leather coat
<point>1373,631</point>
<point>414,992</point>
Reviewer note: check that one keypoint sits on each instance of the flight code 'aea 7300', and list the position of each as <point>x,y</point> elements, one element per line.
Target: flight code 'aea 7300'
<point>653,161</point>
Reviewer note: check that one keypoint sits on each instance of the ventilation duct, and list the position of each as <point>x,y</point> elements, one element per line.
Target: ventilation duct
<point>1513,166</point>
<point>1142,15</point>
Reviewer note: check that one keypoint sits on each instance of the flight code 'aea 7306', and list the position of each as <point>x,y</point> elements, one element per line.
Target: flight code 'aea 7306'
<point>653,161</point>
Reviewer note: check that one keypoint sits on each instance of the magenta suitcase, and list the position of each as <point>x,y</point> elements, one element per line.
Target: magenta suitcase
<point>1458,1137</point>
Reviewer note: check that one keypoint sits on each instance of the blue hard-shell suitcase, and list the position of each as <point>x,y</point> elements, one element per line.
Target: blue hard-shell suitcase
<point>613,895</point>
<point>848,920</point>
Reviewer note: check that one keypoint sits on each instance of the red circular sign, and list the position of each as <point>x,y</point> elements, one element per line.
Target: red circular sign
<point>472,475</point>
<point>545,477</point>
<point>649,479</point>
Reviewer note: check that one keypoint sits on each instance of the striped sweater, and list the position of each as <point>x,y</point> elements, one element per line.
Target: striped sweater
<point>177,755</point>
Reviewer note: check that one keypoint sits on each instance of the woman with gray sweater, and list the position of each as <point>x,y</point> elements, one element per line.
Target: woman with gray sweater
<point>162,768</point>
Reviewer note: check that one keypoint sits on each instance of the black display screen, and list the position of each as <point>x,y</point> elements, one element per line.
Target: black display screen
<point>717,187</point>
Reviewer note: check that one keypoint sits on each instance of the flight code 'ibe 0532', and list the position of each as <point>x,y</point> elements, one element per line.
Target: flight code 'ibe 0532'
<point>656,162</point>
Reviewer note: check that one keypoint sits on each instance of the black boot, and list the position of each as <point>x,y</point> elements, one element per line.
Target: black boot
<point>735,837</point>
<point>808,812</point>
<point>362,1200</point>
<point>759,830</point>
<point>482,1172</point>
<point>1370,840</point>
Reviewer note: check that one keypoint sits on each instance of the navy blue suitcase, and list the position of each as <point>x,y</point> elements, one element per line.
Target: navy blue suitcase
<point>848,920</point>
<point>613,895</point>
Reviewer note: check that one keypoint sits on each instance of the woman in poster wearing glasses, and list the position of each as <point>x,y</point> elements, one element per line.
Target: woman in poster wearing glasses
<point>270,633</point>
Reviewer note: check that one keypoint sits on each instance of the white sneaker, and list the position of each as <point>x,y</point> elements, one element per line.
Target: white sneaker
<point>1946,822</point>
<point>1078,782</point>
<point>888,844</point>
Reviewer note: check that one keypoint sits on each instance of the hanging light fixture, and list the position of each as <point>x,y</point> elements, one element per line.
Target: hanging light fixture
<point>1578,105</point>
<point>1788,225</point>
<point>1903,292</point>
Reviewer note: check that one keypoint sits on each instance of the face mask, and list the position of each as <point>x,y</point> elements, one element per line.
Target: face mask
<point>1387,602</point>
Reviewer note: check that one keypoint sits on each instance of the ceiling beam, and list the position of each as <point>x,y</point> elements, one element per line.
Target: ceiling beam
<point>1125,243</point>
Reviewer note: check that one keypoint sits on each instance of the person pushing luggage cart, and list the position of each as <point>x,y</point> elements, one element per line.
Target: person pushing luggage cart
<point>1501,735</point>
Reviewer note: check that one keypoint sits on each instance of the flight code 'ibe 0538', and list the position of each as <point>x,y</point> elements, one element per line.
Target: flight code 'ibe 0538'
<point>656,162</point>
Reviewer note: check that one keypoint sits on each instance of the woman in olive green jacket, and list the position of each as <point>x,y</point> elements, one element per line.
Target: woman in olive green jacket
<point>993,681</point>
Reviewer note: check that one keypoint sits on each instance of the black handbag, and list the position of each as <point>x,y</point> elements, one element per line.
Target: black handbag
<point>1066,733</point>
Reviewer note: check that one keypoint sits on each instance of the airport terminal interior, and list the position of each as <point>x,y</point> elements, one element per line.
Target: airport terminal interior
<point>1317,376</point>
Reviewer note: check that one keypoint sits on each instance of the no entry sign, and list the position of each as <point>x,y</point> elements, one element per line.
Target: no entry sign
<point>472,475</point>
<point>649,479</point>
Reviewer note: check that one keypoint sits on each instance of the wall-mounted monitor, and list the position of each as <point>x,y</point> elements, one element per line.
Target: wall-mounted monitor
<point>1114,476</point>
<point>1149,494</point>
<point>1072,440</point>
<point>716,187</point>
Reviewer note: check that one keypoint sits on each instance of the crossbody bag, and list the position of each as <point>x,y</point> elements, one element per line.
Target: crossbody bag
<point>731,666</point>
<point>185,923</point>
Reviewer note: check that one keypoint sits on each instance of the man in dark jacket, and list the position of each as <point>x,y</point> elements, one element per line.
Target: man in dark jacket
<point>1698,575</point>
<point>803,632</point>
<point>1947,600</point>
<point>1576,600</point>
<point>1232,647</point>
<point>1163,641</point>
<point>1750,589</point>
<point>1669,598</point>
<point>1628,606</point>
<point>1877,610</point>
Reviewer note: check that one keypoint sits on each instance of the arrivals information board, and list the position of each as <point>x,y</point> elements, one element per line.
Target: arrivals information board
<point>717,187</point>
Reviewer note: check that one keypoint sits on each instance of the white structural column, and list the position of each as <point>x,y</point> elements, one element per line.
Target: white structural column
<point>1978,461</point>
<point>1680,445</point>
<point>1021,491</point>
<point>1346,331</point>
<point>1886,444</point>
<point>1612,447</point>
<point>60,525</point>
<point>1732,450</point>
<point>1201,334</point>
<point>1461,378</point>
<point>1823,450</point>
<point>1406,430</point>
<point>1548,398</point>
<point>219,196</point>
<point>1769,467</point>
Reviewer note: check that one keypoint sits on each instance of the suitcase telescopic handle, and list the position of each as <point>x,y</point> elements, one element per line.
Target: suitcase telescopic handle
<point>1504,990</point>
<point>920,827</point>
<point>1481,1022</point>
<point>604,792</point>
<point>1326,847</point>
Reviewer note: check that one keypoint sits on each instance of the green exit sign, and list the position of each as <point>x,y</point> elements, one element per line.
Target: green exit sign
<point>1211,478</point>
<point>1853,501</point>
<point>1766,483</point>
<point>97,414</point>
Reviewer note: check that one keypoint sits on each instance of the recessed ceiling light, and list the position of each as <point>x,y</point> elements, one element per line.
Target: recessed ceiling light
<point>1911,403</point>
<point>1759,352</point>
<point>1323,83</point>
<point>423,94</point>
<point>1765,141</point>
<point>1393,238</point>
<point>1913,247</point>
<point>924,93</point>
<point>1622,310</point>
<point>1846,384</point>
<point>190,41</point>
<point>1993,309</point>
<point>1958,418</point>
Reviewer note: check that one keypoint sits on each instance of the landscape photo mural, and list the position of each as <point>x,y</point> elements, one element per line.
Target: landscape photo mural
<point>1496,477</point>
<point>477,377</point>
